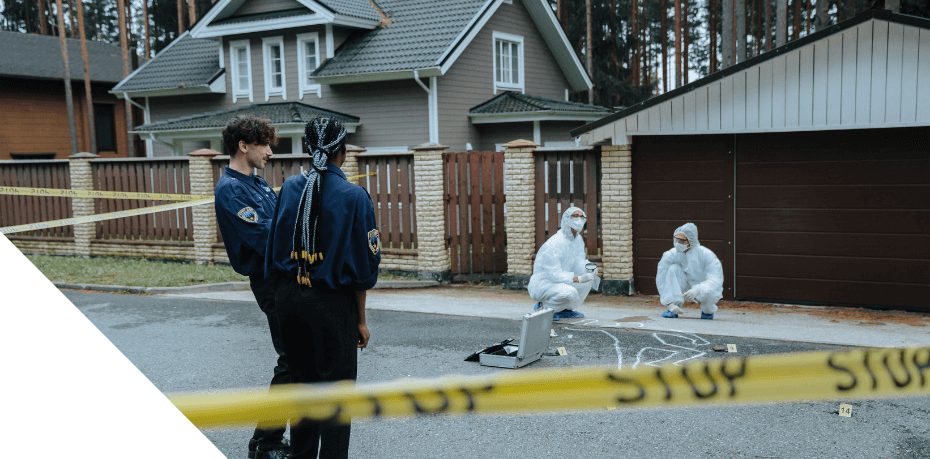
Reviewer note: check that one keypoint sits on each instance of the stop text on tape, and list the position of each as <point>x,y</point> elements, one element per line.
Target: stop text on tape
<point>822,375</point>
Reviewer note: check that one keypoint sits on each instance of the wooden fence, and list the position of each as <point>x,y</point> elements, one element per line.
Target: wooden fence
<point>20,210</point>
<point>151,175</point>
<point>569,178</point>
<point>392,193</point>
<point>474,194</point>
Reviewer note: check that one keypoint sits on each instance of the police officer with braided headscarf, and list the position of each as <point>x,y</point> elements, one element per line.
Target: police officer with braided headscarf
<point>323,256</point>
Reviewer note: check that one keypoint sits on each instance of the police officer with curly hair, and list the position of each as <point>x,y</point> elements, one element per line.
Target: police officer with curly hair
<point>323,256</point>
<point>244,206</point>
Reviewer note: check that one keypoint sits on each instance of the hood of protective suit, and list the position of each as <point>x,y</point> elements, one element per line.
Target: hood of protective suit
<point>565,229</point>
<point>690,231</point>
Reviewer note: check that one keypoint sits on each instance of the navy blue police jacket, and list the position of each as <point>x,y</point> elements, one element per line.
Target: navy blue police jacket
<point>244,207</point>
<point>347,234</point>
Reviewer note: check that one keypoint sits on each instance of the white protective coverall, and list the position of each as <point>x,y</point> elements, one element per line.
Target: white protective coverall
<point>697,268</point>
<point>558,262</point>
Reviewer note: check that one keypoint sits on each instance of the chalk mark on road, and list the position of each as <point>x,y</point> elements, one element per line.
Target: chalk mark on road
<point>693,338</point>
<point>616,344</point>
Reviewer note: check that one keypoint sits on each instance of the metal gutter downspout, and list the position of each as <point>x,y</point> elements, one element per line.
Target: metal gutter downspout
<point>145,114</point>
<point>433,105</point>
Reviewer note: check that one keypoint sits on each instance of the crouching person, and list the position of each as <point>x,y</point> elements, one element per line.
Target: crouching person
<point>689,272</point>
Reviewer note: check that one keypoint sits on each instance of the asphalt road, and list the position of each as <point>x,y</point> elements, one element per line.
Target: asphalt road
<point>193,345</point>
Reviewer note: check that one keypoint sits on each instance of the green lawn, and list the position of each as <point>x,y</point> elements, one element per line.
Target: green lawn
<point>138,273</point>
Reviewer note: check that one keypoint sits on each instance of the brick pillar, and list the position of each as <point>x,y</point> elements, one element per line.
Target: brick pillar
<point>617,219</point>
<point>432,254</point>
<point>201,171</point>
<point>350,167</point>
<point>519,188</point>
<point>82,178</point>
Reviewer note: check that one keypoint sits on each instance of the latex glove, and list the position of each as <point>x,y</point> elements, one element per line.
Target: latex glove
<point>586,277</point>
<point>690,295</point>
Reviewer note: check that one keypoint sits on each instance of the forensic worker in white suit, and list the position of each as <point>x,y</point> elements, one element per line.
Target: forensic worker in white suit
<point>560,279</point>
<point>689,272</point>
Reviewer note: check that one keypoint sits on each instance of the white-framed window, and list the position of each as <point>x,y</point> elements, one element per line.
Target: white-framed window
<point>273,52</point>
<point>508,62</point>
<point>308,59</point>
<point>240,63</point>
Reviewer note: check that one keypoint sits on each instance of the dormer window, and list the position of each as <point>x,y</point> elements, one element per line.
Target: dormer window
<point>508,62</point>
<point>308,59</point>
<point>273,50</point>
<point>241,69</point>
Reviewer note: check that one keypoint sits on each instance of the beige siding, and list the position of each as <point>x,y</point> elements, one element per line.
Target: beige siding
<point>470,80</point>
<point>557,131</point>
<point>266,6</point>
<point>873,75</point>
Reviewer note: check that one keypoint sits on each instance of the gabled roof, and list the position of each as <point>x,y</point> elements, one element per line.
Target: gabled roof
<point>658,113</point>
<point>515,102</point>
<point>222,19</point>
<point>39,56</point>
<point>187,65</point>
<point>277,114</point>
<point>419,33</point>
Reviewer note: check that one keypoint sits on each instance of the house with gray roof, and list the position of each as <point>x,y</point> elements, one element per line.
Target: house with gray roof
<point>34,119</point>
<point>470,74</point>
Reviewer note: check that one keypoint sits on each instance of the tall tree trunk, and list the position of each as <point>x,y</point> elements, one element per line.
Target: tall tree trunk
<point>634,35</point>
<point>43,20</point>
<point>53,28</point>
<point>741,30</point>
<point>148,36</point>
<point>192,11</point>
<point>564,17</point>
<point>558,11</point>
<point>88,96</point>
<point>840,11</point>
<point>768,24</point>
<point>726,35</point>
<point>663,36</point>
<point>712,13</point>
<point>756,26</point>
<point>124,46</point>
<point>71,15</point>
<point>180,17</point>
<point>684,44</point>
<point>809,17</point>
<point>677,34</point>
<point>821,21</point>
<point>796,27</point>
<point>781,22</point>
<point>96,16</point>
<point>69,98</point>
<point>589,51</point>
<point>893,5</point>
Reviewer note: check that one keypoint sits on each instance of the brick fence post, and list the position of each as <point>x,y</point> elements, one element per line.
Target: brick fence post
<point>82,178</point>
<point>617,219</point>
<point>519,189</point>
<point>201,171</point>
<point>350,166</point>
<point>432,254</point>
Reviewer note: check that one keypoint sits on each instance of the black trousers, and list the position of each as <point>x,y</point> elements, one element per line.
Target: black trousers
<point>267,438</point>
<point>320,334</point>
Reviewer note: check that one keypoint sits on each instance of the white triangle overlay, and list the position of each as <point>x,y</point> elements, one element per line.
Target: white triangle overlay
<point>66,390</point>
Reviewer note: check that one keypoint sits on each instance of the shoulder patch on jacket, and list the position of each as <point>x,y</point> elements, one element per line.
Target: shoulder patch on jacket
<point>374,241</point>
<point>248,214</point>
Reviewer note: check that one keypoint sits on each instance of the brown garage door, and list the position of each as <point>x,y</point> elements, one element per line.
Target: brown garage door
<point>680,179</point>
<point>836,217</point>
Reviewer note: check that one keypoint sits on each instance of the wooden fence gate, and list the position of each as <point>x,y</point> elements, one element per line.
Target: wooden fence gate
<point>569,178</point>
<point>474,195</point>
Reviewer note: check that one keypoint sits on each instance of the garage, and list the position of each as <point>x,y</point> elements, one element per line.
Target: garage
<point>806,169</point>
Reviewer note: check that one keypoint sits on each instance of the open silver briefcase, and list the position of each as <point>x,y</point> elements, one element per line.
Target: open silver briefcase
<point>534,339</point>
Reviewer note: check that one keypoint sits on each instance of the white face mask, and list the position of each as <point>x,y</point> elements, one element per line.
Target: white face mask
<point>576,223</point>
<point>681,247</point>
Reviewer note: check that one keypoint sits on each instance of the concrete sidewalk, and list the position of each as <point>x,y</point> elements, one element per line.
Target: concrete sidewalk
<point>830,325</point>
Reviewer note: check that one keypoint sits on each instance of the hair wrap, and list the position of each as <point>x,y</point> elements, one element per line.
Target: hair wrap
<point>323,137</point>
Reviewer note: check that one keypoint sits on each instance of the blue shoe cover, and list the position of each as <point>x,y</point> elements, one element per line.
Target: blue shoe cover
<point>669,315</point>
<point>538,306</point>
<point>707,316</point>
<point>571,314</point>
<point>555,317</point>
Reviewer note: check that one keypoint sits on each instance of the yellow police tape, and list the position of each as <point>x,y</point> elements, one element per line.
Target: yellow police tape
<point>822,375</point>
<point>57,192</point>
<point>201,199</point>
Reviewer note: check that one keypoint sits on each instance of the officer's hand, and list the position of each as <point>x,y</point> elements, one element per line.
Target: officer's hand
<point>690,295</point>
<point>586,277</point>
<point>363,336</point>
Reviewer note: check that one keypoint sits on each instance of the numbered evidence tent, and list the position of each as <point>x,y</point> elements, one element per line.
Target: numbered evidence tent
<point>806,169</point>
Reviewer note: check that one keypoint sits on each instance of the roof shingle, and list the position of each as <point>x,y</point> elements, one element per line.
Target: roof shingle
<point>421,30</point>
<point>279,113</point>
<point>39,56</point>
<point>515,102</point>
<point>355,8</point>
<point>187,62</point>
